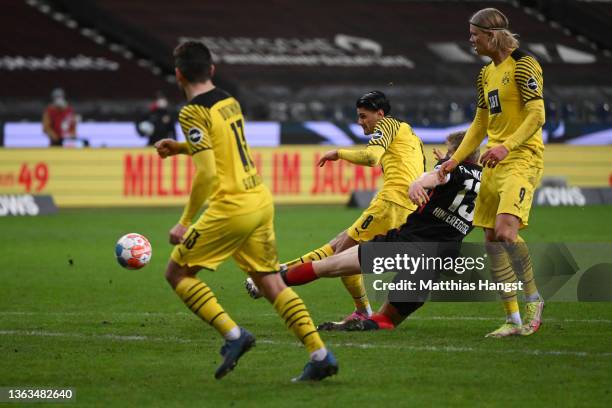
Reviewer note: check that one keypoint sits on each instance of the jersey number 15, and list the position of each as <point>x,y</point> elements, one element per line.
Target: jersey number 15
<point>465,211</point>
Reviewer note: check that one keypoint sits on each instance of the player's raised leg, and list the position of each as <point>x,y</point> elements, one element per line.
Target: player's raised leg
<point>345,263</point>
<point>201,300</point>
<point>291,308</point>
<point>353,284</point>
<point>316,254</point>
<point>258,256</point>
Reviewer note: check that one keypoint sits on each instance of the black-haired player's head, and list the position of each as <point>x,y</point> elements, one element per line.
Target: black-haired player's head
<point>452,144</point>
<point>371,107</point>
<point>193,63</point>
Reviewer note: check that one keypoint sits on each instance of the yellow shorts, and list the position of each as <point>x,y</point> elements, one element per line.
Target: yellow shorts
<point>506,189</point>
<point>380,217</point>
<point>249,238</point>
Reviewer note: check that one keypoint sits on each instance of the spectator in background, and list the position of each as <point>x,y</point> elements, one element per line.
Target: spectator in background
<point>59,119</point>
<point>159,122</point>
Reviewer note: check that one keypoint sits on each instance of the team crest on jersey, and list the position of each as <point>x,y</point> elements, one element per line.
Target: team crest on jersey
<point>195,135</point>
<point>378,134</point>
<point>506,78</point>
<point>532,84</point>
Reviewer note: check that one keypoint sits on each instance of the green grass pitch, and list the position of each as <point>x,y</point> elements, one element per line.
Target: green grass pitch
<point>123,338</point>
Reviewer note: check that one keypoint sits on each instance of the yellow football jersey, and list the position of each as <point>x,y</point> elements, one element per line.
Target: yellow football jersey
<point>403,160</point>
<point>213,120</point>
<point>504,90</point>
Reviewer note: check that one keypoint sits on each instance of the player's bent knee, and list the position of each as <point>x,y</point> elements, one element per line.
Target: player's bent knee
<point>505,235</point>
<point>490,235</point>
<point>337,240</point>
<point>270,284</point>
<point>176,273</point>
<point>344,243</point>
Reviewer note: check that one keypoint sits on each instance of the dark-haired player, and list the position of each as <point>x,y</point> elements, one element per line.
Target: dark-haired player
<point>446,209</point>
<point>238,222</point>
<point>395,147</point>
<point>511,112</point>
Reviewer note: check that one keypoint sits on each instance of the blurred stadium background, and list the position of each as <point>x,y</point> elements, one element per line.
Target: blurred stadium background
<point>70,316</point>
<point>297,79</point>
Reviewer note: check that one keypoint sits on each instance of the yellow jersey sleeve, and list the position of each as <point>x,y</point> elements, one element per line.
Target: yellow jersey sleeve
<point>529,79</point>
<point>482,104</point>
<point>370,156</point>
<point>195,122</point>
<point>384,132</point>
<point>204,183</point>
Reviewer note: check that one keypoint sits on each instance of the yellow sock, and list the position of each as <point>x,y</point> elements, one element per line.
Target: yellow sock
<point>318,254</point>
<point>202,301</point>
<point>501,271</point>
<point>292,309</point>
<point>511,307</point>
<point>521,263</point>
<point>354,285</point>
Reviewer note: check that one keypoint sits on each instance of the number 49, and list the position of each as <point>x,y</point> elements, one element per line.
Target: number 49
<point>40,175</point>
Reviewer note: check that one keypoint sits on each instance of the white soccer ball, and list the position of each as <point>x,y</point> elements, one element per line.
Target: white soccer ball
<point>133,251</point>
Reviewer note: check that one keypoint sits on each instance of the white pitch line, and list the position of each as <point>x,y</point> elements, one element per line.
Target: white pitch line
<point>433,349</point>
<point>152,314</point>
<point>90,313</point>
<point>118,337</point>
<point>546,319</point>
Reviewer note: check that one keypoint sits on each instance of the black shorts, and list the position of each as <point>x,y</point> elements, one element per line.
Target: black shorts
<point>422,247</point>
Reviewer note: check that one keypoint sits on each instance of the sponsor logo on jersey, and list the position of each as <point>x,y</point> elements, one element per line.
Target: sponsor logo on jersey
<point>494,102</point>
<point>506,78</point>
<point>195,135</point>
<point>378,134</point>
<point>532,84</point>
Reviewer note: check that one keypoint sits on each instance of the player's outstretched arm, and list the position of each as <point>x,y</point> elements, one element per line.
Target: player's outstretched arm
<point>446,168</point>
<point>370,156</point>
<point>417,190</point>
<point>332,155</point>
<point>472,140</point>
<point>170,147</point>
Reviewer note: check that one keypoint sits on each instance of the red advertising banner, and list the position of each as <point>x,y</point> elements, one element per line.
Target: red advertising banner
<point>138,177</point>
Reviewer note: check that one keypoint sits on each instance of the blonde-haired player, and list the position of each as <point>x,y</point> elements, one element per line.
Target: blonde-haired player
<point>238,222</point>
<point>511,112</point>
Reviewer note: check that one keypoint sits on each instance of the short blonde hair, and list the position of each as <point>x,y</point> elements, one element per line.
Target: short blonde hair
<point>494,21</point>
<point>455,139</point>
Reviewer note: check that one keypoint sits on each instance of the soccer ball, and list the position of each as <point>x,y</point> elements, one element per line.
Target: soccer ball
<point>133,251</point>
